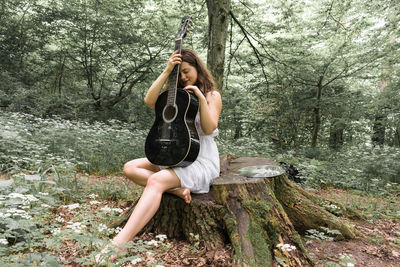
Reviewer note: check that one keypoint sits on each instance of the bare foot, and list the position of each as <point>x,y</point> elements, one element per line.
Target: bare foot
<point>183,193</point>
<point>186,195</point>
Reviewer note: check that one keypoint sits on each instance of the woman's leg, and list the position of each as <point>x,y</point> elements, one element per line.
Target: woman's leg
<point>139,170</point>
<point>157,184</point>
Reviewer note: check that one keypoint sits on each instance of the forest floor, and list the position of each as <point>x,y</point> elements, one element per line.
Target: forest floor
<point>377,245</point>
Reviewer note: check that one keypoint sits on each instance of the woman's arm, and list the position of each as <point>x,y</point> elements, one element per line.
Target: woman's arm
<point>210,108</point>
<point>154,91</point>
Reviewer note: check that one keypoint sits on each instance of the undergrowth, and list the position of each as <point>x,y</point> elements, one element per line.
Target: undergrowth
<point>45,166</point>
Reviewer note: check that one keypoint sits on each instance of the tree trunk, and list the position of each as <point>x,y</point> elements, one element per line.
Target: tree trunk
<point>254,215</point>
<point>317,115</point>
<point>379,127</point>
<point>218,13</point>
<point>336,134</point>
<point>378,136</point>
<point>397,137</point>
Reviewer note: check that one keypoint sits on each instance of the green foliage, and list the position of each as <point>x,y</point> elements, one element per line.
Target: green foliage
<point>30,143</point>
<point>95,60</point>
<point>327,234</point>
<point>371,169</point>
<point>85,59</point>
<point>346,260</point>
<point>31,210</point>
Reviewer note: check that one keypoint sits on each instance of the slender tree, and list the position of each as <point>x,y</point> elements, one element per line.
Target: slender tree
<point>218,21</point>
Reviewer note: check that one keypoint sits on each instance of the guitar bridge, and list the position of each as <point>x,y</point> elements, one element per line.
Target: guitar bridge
<point>166,142</point>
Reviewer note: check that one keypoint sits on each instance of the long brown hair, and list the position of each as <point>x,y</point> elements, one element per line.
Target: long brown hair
<point>205,81</point>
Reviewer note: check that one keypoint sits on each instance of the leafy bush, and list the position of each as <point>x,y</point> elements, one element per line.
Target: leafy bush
<point>367,168</point>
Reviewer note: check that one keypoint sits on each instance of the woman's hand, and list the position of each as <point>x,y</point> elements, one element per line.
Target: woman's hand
<point>195,90</point>
<point>174,59</point>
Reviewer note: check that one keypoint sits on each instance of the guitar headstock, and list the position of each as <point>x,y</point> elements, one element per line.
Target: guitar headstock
<point>185,26</point>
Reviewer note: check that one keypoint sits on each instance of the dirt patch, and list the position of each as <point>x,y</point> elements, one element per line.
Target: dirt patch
<point>379,241</point>
<point>376,246</point>
<point>182,253</point>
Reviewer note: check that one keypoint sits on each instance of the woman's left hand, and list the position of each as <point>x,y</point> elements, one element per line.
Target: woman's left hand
<point>195,90</point>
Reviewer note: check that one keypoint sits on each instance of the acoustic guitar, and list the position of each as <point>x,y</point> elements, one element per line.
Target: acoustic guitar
<point>173,139</point>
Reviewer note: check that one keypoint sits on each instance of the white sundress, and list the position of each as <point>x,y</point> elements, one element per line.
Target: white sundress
<point>199,175</point>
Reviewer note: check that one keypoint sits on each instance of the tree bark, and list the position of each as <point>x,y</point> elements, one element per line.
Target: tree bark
<point>218,14</point>
<point>397,137</point>
<point>254,215</point>
<point>317,115</point>
<point>336,134</point>
<point>379,129</point>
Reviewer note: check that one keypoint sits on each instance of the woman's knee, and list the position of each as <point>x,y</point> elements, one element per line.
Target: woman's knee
<point>154,181</point>
<point>129,168</point>
<point>163,181</point>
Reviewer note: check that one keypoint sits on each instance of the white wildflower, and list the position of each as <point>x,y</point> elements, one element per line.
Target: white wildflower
<point>136,261</point>
<point>95,202</point>
<point>118,210</point>
<point>44,193</point>
<point>31,198</point>
<point>5,215</point>
<point>286,247</point>
<point>105,209</point>
<point>3,241</point>
<point>161,237</point>
<point>59,219</point>
<point>72,206</point>
<point>108,209</point>
<point>77,227</point>
<point>349,264</point>
<point>93,196</point>
<point>117,230</point>
<point>152,243</point>
<point>55,231</point>
<point>102,227</point>
<point>16,195</point>
<point>17,212</point>
<point>45,206</point>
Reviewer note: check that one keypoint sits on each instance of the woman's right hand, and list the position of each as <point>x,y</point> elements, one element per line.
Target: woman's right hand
<point>174,59</point>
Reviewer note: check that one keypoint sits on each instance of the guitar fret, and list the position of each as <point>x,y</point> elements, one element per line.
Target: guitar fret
<point>174,77</point>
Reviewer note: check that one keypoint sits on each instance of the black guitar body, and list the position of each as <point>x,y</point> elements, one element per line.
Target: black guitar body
<point>173,139</point>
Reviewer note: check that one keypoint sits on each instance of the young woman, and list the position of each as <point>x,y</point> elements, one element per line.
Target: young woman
<point>181,181</point>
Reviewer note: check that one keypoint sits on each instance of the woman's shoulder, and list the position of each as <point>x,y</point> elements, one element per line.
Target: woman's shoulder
<point>214,98</point>
<point>213,94</point>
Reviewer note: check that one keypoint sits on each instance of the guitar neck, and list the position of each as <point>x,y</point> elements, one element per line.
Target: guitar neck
<point>174,77</point>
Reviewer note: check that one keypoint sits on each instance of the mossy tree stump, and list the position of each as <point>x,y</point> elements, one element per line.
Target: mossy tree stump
<point>255,215</point>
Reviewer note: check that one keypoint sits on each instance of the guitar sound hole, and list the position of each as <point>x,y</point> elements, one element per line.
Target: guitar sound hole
<point>169,113</point>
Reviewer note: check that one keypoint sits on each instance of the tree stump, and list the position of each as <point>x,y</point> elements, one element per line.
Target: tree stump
<point>254,215</point>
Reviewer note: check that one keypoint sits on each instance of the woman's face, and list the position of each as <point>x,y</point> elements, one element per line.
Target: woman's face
<point>188,74</point>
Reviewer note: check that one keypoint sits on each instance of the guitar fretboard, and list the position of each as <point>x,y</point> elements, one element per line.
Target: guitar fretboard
<point>174,77</point>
